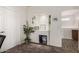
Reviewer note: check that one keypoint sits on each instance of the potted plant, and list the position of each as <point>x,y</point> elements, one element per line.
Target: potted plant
<point>27,31</point>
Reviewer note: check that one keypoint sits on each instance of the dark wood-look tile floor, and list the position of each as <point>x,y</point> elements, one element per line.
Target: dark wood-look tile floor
<point>37,48</point>
<point>70,44</point>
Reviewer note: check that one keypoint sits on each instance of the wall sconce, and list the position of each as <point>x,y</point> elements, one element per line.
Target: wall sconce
<point>49,19</point>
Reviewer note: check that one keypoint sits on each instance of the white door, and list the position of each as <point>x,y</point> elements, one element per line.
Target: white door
<point>2,20</point>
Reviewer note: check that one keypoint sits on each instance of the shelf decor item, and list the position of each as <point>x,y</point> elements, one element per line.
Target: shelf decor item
<point>33,19</point>
<point>55,19</point>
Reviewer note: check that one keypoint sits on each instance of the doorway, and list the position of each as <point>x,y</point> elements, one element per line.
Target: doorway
<point>70,29</point>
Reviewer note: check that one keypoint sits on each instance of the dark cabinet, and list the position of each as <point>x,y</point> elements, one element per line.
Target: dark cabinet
<point>2,37</point>
<point>75,35</point>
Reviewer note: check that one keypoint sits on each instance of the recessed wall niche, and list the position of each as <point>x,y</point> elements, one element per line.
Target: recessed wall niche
<point>40,22</point>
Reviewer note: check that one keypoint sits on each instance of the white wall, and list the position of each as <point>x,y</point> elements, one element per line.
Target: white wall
<point>67,34</point>
<point>15,18</point>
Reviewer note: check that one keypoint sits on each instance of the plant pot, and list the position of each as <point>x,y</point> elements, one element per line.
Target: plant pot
<point>27,41</point>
